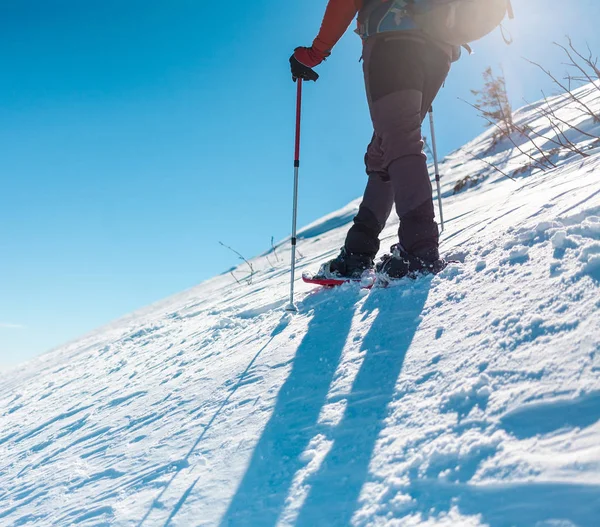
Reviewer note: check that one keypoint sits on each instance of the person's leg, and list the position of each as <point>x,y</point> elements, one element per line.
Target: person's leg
<point>399,118</point>
<point>399,89</point>
<point>376,206</point>
<point>362,240</point>
<point>418,227</point>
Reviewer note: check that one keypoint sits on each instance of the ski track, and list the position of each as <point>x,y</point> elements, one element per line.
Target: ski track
<point>471,398</point>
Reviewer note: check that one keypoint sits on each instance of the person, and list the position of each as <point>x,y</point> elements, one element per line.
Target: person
<point>403,71</point>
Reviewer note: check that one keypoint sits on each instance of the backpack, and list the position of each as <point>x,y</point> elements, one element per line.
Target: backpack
<point>456,22</point>
<point>460,22</point>
<point>382,16</point>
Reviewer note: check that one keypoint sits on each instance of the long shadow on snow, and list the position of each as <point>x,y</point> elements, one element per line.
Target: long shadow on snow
<point>261,495</point>
<point>513,505</point>
<point>335,489</point>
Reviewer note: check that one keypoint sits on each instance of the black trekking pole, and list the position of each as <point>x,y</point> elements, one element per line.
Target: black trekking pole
<point>291,307</point>
<point>436,165</point>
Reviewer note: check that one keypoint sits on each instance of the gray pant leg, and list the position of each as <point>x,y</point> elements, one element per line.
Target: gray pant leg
<point>399,116</point>
<point>375,209</point>
<point>397,169</point>
<point>397,121</point>
<point>418,232</point>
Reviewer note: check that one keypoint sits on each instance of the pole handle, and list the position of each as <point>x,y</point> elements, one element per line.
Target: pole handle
<point>298,120</point>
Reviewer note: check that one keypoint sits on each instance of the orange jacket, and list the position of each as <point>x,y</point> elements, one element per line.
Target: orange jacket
<point>338,17</point>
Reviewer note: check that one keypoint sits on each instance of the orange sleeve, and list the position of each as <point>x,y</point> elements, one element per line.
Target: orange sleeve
<point>338,17</point>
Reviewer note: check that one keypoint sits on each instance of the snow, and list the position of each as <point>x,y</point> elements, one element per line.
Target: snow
<point>467,399</point>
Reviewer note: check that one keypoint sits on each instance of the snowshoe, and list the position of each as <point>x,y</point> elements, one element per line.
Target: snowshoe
<point>346,268</point>
<point>400,264</point>
<point>365,281</point>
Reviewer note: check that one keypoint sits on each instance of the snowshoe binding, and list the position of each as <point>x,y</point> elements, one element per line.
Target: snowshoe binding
<point>400,264</point>
<point>346,268</point>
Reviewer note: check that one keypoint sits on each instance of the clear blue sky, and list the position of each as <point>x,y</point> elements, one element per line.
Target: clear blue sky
<point>135,135</point>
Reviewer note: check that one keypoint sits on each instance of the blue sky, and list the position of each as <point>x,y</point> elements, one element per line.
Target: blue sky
<point>137,135</point>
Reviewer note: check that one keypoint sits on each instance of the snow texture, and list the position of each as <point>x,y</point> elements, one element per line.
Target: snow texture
<point>467,399</point>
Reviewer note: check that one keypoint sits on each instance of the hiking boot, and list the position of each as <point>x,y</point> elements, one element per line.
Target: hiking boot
<point>347,265</point>
<point>401,263</point>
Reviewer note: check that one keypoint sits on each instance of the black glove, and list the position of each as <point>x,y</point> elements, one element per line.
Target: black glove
<point>300,71</point>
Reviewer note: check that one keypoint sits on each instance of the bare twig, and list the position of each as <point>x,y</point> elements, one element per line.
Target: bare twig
<point>567,91</point>
<point>523,132</point>
<point>249,277</point>
<point>575,64</point>
<point>539,163</point>
<point>571,78</point>
<point>558,133</point>
<point>590,61</point>
<point>593,62</point>
<point>478,158</point>
<point>273,247</point>
<point>550,114</point>
<point>555,116</point>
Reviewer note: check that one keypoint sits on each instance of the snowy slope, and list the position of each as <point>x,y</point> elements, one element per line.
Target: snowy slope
<point>467,399</point>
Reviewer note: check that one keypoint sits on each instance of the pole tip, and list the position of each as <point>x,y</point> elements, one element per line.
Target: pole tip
<point>291,308</point>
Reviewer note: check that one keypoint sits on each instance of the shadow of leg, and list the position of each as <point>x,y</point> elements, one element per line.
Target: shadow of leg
<point>335,489</point>
<point>261,495</point>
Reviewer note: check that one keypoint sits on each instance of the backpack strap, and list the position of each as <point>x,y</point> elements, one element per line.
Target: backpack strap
<point>509,8</point>
<point>507,40</point>
<point>511,15</point>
